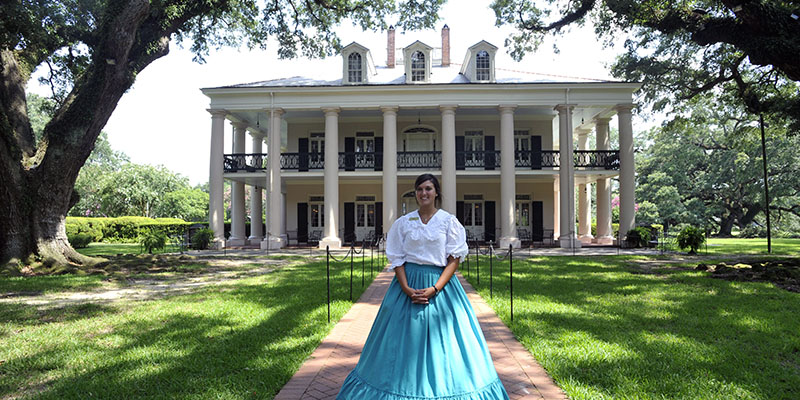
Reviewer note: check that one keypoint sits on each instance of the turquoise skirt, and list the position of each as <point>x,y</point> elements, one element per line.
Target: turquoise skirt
<point>416,351</point>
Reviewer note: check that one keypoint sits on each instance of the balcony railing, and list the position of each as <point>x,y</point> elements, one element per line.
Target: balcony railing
<point>490,160</point>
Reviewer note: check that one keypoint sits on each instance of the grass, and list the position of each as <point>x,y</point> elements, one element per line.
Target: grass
<point>724,246</point>
<point>110,249</point>
<point>238,340</point>
<point>604,329</point>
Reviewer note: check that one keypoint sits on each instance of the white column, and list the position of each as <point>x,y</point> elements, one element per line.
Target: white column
<point>390,210</point>
<point>508,192</point>
<point>556,209</point>
<point>627,216</point>
<point>566,176</point>
<point>604,232</point>
<point>274,239</point>
<point>331,230</point>
<point>256,197</point>
<point>216,207</point>
<point>448,158</point>
<point>584,198</point>
<point>238,230</point>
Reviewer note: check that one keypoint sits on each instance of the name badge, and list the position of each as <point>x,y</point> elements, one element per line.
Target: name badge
<point>414,219</point>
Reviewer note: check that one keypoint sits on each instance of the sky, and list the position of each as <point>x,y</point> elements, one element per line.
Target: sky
<point>162,119</point>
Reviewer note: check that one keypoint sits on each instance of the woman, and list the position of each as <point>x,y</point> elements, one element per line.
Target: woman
<point>425,342</point>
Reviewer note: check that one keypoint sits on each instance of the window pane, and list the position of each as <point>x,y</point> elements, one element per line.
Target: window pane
<point>417,67</point>
<point>354,67</point>
<point>482,66</point>
<point>468,214</point>
<point>478,214</point>
<point>359,215</point>
<point>371,215</point>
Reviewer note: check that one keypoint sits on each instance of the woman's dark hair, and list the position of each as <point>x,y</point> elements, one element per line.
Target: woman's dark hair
<point>428,177</point>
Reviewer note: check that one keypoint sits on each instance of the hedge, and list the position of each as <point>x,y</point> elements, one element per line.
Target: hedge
<point>123,229</point>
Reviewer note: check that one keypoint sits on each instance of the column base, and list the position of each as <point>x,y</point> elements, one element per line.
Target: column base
<point>254,240</point>
<point>216,244</point>
<point>567,242</point>
<point>586,239</point>
<point>273,243</point>
<point>509,240</point>
<point>334,242</point>
<point>236,242</point>
<point>605,240</point>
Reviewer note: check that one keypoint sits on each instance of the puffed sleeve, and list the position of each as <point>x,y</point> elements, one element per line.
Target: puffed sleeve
<point>456,244</point>
<point>394,244</point>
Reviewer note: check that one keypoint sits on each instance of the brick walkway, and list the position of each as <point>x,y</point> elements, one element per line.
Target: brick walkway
<point>321,376</point>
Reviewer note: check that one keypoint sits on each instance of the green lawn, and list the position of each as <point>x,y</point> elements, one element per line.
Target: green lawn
<point>604,329</point>
<point>110,249</point>
<point>243,339</point>
<point>723,246</point>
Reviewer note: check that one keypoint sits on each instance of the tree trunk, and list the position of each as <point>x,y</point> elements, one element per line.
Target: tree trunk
<point>726,225</point>
<point>36,184</point>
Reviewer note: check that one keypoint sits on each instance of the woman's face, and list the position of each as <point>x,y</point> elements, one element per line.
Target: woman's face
<point>426,194</point>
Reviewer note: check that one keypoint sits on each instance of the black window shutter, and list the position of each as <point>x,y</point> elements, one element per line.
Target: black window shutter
<point>488,221</point>
<point>302,150</point>
<point>302,222</point>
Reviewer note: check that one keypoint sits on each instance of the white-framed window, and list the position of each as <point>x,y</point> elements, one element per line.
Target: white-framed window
<point>473,214</point>
<point>316,210</point>
<point>418,67</point>
<point>354,68</point>
<point>473,148</point>
<point>316,147</point>
<point>522,213</point>
<point>365,148</point>
<point>482,66</point>
<point>522,145</point>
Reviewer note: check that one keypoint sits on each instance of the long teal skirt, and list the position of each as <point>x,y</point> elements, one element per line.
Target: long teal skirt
<point>415,351</point>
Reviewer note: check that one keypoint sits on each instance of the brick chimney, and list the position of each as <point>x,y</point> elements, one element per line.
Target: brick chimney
<point>390,47</point>
<point>445,46</point>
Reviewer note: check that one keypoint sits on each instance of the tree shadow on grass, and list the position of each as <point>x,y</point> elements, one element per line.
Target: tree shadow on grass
<point>232,341</point>
<point>602,331</point>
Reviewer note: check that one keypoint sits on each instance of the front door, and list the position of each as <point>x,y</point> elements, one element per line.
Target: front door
<point>522,148</point>
<point>365,152</point>
<point>365,220</point>
<point>473,218</point>
<point>408,204</point>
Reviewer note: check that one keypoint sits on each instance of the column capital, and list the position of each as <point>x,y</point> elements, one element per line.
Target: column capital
<point>240,125</point>
<point>448,108</point>
<point>257,134</point>
<point>602,120</point>
<point>507,108</point>
<point>583,131</point>
<point>389,109</point>
<point>625,108</point>
<point>217,113</point>
<point>331,110</point>
<point>564,107</point>
<point>276,110</point>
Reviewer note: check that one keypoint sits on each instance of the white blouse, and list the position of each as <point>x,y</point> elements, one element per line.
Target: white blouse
<point>409,240</point>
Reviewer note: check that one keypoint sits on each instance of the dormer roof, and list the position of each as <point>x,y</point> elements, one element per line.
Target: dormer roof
<point>468,66</point>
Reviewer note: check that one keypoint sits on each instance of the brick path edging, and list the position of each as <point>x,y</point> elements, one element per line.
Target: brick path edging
<point>321,376</point>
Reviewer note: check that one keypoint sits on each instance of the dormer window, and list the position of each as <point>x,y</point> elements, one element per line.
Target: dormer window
<point>417,58</point>
<point>478,65</point>
<point>418,67</point>
<point>357,65</point>
<point>354,68</point>
<point>482,66</point>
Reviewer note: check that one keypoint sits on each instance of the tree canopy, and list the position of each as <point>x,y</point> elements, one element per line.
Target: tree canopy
<point>680,49</point>
<point>93,51</point>
<point>705,168</point>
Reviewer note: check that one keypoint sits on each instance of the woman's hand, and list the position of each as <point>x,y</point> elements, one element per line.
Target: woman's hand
<point>422,296</point>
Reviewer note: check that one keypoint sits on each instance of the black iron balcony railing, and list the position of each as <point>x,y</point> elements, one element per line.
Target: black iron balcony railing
<point>490,160</point>
<point>245,162</point>
<point>419,159</point>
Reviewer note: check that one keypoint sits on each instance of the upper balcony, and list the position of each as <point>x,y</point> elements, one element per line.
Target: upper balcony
<point>487,160</point>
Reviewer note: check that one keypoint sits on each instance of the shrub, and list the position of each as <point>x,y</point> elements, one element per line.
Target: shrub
<point>153,239</point>
<point>80,240</point>
<point>639,236</point>
<point>87,225</point>
<point>202,238</point>
<point>691,237</point>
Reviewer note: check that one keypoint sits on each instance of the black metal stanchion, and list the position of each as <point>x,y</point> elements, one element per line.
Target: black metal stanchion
<point>478,263</point>
<point>511,277</point>
<point>362,264</point>
<point>328,267</point>
<point>491,271</point>
<point>371,258</point>
<point>351,272</point>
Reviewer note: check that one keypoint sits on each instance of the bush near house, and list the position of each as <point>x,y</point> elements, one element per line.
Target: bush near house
<point>80,240</point>
<point>692,238</point>
<point>123,229</point>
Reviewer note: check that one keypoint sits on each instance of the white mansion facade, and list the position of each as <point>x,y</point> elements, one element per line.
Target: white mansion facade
<point>342,155</point>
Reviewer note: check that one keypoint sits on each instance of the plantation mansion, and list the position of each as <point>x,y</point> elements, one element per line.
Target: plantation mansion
<point>342,155</point>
